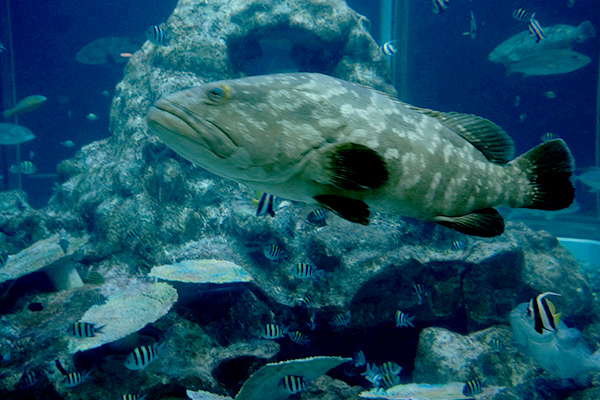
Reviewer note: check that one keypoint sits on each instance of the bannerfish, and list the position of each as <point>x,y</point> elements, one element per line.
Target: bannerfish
<point>388,48</point>
<point>549,62</point>
<point>29,103</point>
<point>353,150</point>
<point>543,313</point>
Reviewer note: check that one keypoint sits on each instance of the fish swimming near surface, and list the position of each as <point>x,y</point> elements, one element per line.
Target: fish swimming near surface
<point>354,151</point>
<point>561,352</point>
<point>473,27</point>
<point>157,35</point>
<point>524,44</point>
<point>107,50</point>
<point>29,103</point>
<point>439,5</point>
<point>14,134</point>
<point>549,62</point>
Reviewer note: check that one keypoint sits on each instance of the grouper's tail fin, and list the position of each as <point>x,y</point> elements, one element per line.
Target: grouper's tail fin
<point>548,167</point>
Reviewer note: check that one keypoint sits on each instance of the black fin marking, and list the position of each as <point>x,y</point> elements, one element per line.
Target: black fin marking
<point>350,209</point>
<point>352,166</point>
<point>548,167</point>
<point>486,136</point>
<point>485,223</point>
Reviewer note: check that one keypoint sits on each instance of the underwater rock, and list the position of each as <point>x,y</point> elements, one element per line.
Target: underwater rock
<point>562,352</point>
<point>125,312</point>
<point>444,357</point>
<point>424,391</point>
<point>266,382</point>
<point>47,256</point>
<point>201,271</point>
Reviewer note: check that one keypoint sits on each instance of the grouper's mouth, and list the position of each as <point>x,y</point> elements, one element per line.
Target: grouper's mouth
<point>181,128</point>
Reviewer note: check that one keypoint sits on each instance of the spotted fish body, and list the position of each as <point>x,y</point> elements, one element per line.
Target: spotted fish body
<point>353,150</point>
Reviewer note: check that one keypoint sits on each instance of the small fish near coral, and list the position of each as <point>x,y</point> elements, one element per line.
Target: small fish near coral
<point>444,167</point>
<point>157,35</point>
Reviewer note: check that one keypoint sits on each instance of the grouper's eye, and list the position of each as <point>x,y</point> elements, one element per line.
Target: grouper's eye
<point>217,93</point>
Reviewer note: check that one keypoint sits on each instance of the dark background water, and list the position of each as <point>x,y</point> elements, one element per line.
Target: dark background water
<point>447,71</point>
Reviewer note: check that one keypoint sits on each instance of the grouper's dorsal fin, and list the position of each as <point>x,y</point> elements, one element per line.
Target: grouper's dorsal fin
<point>487,137</point>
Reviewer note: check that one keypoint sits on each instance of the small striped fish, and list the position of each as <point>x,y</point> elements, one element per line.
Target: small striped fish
<point>472,387</point>
<point>536,29</point>
<point>294,384</point>
<point>390,368</point>
<point>98,299</point>
<point>404,320</point>
<point>299,338</point>
<point>458,245</point>
<point>273,331</point>
<point>157,35</point>
<point>388,381</point>
<point>420,291</point>
<point>272,252</point>
<point>141,357</point>
<point>29,379</point>
<point>522,15</point>
<point>63,241</point>
<point>25,167</point>
<point>75,378</point>
<point>497,345</point>
<point>318,217</point>
<point>305,271</point>
<point>342,319</point>
<point>3,258</point>
<point>94,278</point>
<point>307,301</point>
<point>77,255</point>
<point>133,397</point>
<point>84,330</point>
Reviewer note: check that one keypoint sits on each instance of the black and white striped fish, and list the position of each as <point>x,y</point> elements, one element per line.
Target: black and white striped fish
<point>420,291</point>
<point>536,29</point>
<point>3,258</point>
<point>388,48</point>
<point>299,338</point>
<point>305,271</point>
<point>388,381</point>
<point>497,345</point>
<point>439,5</point>
<point>265,205</point>
<point>294,384</point>
<point>28,379</point>
<point>75,378</point>
<point>318,217</point>
<point>272,252</point>
<point>404,320</point>
<point>273,331</point>
<point>544,313</point>
<point>142,356</point>
<point>133,397</point>
<point>522,15</point>
<point>157,35</point>
<point>84,330</point>
<point>472,387</point>
<point>24,167</point>
<point>342,319</point>
<point>390,368</point>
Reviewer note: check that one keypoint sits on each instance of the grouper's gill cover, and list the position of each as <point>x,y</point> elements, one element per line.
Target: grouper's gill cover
<point>353,150</point>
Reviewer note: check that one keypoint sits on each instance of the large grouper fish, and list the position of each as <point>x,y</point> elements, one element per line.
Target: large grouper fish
<point>353,150</point>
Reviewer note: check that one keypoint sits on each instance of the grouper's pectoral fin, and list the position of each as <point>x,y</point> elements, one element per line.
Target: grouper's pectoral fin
<point>350,209</point>
<point>351,166</point>
<point>485,223</point>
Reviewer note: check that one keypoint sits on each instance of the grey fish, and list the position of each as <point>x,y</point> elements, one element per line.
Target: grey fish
<point>557,37</point>
<point>107,49</point>
<point>354,151</point>
<point>14,134</point>
<point>549,62</point>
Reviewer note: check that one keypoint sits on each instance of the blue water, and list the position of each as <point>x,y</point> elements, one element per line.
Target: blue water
<point>447,71</point>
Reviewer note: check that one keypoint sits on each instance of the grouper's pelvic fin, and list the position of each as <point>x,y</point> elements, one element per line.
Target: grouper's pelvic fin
<point>485,223</point>
<point>350,209</point>
<point>548,167</point>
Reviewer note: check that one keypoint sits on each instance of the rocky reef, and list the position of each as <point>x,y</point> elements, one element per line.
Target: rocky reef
<point>143,214</point>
